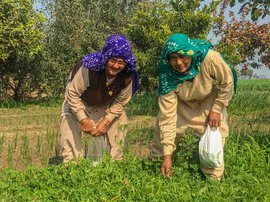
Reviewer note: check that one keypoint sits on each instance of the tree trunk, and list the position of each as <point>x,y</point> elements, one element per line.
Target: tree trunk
<point>17,95</point>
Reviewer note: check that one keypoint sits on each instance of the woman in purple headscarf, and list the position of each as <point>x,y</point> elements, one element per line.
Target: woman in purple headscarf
<point>99,87</point>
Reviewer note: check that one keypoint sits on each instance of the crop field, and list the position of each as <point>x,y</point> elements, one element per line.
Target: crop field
<point>31,168</point>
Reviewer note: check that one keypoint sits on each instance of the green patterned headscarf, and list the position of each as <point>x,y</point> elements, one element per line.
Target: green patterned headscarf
<point>169,79</point>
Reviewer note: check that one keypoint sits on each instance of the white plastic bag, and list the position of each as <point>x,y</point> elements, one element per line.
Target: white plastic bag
<point>211,149</point>
<point>97,147</point>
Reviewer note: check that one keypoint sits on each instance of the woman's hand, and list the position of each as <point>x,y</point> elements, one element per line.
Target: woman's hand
<point>166,166</point>
<point>214,119</point>
<point>102,127</point>
<point>86,125</point>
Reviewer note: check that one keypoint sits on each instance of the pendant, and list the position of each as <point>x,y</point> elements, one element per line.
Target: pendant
<point>110,93</point>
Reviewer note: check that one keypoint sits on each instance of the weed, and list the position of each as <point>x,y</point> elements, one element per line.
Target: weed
<point>25,150</point>
<point>10,155</point>
<point>2,142</point>
<point>39,143</point>
<point>246,156</point>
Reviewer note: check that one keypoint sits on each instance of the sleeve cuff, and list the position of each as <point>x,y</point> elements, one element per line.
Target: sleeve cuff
<point>168,149</point>
<point>111,116</point>
<point>81,115</point>
<point>217,107</point>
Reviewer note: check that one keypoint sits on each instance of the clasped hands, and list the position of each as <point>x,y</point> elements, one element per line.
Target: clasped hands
<point>87,126</point>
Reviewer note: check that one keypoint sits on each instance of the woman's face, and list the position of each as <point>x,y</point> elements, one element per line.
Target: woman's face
<point>179,62</point>
<point>114,66</point>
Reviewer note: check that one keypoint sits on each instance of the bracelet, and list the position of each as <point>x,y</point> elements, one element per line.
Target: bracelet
<point>83,120</point>
<point>106,122</point>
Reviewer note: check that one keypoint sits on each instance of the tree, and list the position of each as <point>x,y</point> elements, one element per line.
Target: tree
<point>153,22</point>
<point>77,28</point>
<point>243,42</point>
<point>20,44</point>
<point>257,8</point>
<point>246,73</point>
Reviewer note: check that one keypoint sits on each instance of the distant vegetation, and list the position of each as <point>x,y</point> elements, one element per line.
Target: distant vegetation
<point>42,41</point>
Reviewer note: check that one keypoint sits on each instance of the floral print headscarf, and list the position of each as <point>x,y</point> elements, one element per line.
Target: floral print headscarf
<point>169,79</point>
<point>115,46</point>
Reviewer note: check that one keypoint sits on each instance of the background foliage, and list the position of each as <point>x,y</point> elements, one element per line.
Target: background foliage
<point>36,55</point>
<point>21,35</point>
<point>153,22</point>
<point>243,41</point>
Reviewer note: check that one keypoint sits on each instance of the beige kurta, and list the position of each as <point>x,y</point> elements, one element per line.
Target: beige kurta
<point>75,109</point>
<point>189,104</point>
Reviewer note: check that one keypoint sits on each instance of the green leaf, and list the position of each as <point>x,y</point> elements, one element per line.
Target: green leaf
<point>232,3</point>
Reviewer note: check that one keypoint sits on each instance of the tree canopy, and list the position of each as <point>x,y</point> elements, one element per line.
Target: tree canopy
<point>257,8</point>
<point>243,42</point>
<point>37,55</point>
<point>21,34</point>
<point>153,22</point>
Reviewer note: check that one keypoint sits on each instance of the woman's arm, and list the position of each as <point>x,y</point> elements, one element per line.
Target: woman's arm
<point>167,124</point>
<point>222,75</point>
<point>78,85</point>
<point>167,121</point>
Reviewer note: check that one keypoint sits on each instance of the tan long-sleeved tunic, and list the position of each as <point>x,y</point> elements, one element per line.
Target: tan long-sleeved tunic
<point>75,109</point>
<point>74,103</point>
<point>189,104</point>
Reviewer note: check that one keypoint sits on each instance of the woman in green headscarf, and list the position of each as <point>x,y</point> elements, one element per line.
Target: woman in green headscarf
<point>195,87</point>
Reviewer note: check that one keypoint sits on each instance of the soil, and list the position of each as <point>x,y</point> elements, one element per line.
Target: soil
<point>39,146</point>
<point>13,153</point>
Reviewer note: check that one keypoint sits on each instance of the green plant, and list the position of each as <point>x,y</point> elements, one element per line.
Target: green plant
<point>2,142</point>
<point>39,143</point>
<point>10,155</point>
<point>25,150</point>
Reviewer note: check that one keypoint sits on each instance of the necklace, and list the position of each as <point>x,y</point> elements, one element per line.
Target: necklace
<point>112,87</point>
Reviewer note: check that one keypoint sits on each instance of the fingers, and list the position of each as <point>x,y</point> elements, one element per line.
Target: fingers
<point>214,123</point>
<point>163,170</point>
<point>166,168</point>
<point>86,130</point>
<point>86,125</point>
<point>170,173</point>
<point>214,119</point>
<point>96,132</point>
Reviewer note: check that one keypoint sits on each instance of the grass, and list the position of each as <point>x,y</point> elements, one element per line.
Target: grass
<point>30,156</point>
<point>247,178</point>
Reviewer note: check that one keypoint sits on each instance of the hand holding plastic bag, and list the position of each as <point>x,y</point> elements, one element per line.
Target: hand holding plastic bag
<point>211,149</point>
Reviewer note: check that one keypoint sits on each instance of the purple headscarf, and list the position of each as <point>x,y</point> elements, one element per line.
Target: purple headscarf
<point>115,46</point>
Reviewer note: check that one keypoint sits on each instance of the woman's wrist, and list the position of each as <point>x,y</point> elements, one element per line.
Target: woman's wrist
<point>83,120</point>
<point>168,157</point>
<point>106,121</point>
